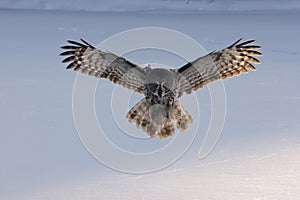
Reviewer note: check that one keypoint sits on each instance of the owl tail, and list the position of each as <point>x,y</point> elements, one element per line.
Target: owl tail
<point>159,120</point>
<point>180,116</point>
<point>139,114</point>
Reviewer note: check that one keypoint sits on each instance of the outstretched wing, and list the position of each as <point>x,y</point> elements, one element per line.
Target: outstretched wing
<point>92,61</point>
<point>226,63</point>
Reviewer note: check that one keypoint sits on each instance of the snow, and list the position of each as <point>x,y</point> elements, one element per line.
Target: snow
<point>154,5</point>
<point>257,156</point>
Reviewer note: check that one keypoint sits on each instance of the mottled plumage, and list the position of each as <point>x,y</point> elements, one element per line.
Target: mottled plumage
<point>160,111</point>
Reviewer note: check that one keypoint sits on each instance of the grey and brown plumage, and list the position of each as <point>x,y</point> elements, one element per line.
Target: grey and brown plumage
<point>160,111</point>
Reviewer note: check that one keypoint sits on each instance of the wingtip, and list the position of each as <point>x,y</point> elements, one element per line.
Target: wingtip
<point>68,47</point>
<point>85,42</point>
<point>66,53</point>
<point>68,59</point>
<point>70,41</point>
<point>70,66</point>
<point>259,53</point>
<point>247,42</point>
<point>75,43</point>
<point>236,42</point>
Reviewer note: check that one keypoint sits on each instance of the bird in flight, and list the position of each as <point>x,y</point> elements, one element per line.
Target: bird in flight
<point>160,111</point>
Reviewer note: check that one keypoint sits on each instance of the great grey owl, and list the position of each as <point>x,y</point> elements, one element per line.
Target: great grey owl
<point>160,111</point>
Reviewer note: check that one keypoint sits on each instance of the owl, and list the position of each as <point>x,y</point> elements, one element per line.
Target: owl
<point>160,111</point>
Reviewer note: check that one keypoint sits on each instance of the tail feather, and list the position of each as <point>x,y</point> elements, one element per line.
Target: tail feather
<point>140,114</point>
<point>182,117</point>
<point>167,130</point>
<point>177,116</point>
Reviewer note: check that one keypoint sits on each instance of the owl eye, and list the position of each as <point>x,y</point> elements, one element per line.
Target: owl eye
<point>171,101</point>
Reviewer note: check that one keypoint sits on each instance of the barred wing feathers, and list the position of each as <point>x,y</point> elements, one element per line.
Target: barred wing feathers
<point>92,61</point>
<point>223,64</point>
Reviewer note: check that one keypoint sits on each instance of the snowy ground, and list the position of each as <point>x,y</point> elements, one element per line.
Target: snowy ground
<point>145,5</point>
<point>257,156</point>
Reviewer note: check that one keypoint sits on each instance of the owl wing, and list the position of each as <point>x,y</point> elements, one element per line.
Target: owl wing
<point>226,63</point>
<point>92,61</point>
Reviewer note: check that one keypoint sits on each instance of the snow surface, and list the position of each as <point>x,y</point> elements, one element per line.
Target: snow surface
<point>153,5</point>
<point>257,156</point>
